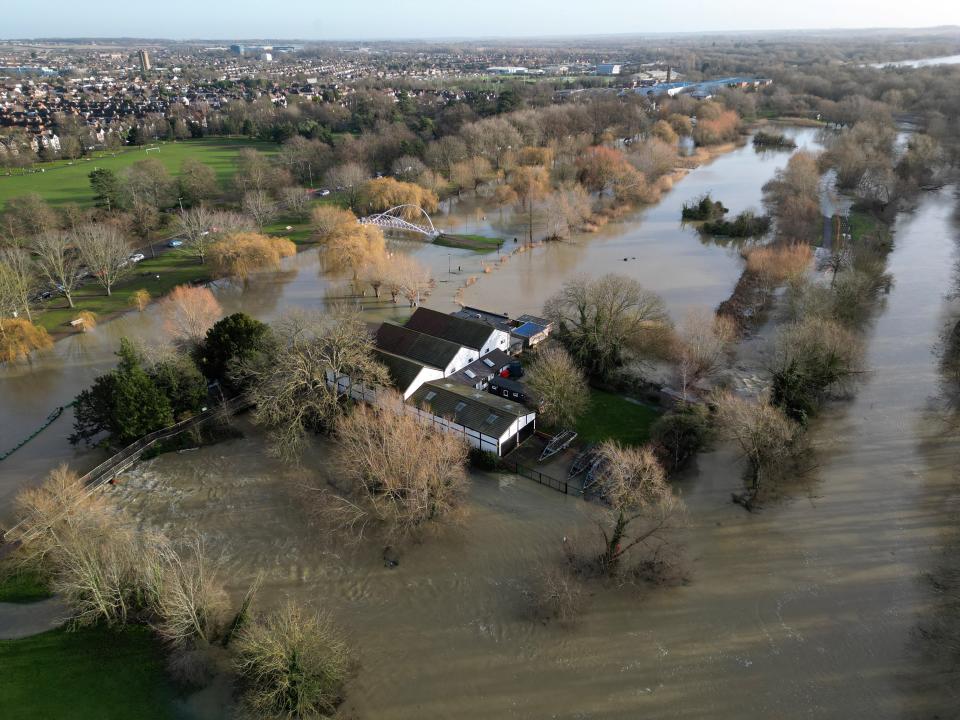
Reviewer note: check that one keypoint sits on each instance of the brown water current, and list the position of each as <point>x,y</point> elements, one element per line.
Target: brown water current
<point>806,609</point>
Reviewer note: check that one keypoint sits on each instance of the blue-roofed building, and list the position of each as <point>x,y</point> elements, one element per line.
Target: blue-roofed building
<point>530,334</point>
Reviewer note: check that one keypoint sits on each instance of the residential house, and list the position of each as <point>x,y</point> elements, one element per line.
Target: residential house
<point>443,355</point>
<point>474,334</point>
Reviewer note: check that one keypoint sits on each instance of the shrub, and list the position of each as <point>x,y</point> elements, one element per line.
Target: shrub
<point>703,208</point>
<point>779,141</point>
<point>19,338</point>
<point>744,225</point>
<point>483,459</point>
<point>292,664</point>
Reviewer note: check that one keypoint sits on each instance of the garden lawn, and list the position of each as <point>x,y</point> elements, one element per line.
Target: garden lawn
<point>90,674</point>
<point>612,417</point>
<point>174,267</point>
<point>68,182</point>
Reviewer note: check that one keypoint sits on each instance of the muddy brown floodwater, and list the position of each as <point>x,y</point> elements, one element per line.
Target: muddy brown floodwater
<point>807,609</point>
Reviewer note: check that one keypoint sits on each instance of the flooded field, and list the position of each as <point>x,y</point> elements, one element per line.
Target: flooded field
<point>807,609</point>
<point>668,258</point>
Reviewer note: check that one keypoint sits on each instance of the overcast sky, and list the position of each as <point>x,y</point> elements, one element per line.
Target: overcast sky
<point>376,19</point>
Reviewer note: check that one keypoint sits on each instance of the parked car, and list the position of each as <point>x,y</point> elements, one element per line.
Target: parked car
<point>137,257</point>
<point>324,193</point>
<point>176,242</point>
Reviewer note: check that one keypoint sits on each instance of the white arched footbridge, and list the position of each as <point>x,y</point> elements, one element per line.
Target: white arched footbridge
<point>396,218</point>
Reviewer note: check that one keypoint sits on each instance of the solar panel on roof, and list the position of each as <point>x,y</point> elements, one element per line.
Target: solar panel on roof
<point>488,362</point>
<point>459,406</point>
<point>491,419</point>
<point>470,374</point>
<point>429,396</point>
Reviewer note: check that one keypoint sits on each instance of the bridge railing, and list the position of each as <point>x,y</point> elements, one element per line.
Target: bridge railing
<point>119,462</point>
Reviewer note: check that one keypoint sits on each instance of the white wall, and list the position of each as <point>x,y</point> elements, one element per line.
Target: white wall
<point>463,358</point>
<point>425,375</point>
<point>498,340</point>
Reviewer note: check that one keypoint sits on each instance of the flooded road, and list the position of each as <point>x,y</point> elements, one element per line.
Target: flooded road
<point>807,609</point>
<point>669,259</point>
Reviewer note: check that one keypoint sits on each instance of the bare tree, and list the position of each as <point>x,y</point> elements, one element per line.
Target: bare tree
<point>400,471</point>
<point>348,179</point>
<point>295,201</point>
<point>195,224</point>
<point>602,320</point>
<point>559,386</point>
<point>293,386</point>
<point>191,602</point>
<point>105,252</point>
<point>258,205</point>
<point>765,436</point>
<point>58,261</point>
<point>188,312</point>
<point>18,281</point>
<point>294,664</point>
<point>703,342</point>
<point>408,277</point>
<point>642,507</point>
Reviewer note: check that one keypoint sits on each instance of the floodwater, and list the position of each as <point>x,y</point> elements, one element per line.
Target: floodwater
<point>666,258</point>
<point>924,62</point>
<point>650,246</point>
<point>809,608</point>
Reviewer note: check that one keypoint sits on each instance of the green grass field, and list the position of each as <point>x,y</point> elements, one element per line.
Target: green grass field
<point>21,586</point>
<point>174,268</point>
<point>90,674</point>
<point>612,417</point>
<point>67,181</point>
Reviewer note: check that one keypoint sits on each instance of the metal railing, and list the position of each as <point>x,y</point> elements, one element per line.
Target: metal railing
<point>567,488</point>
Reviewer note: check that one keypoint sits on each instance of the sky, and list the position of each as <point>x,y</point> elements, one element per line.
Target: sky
<point>386,19</point>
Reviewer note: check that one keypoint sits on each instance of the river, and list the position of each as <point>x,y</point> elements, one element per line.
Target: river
<point>663,255</point>
<point>809,608</point>
<point>921,63</point>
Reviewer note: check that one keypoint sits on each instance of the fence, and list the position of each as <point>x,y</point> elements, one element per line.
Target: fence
<point>114,465</point>
<point>563,486</point>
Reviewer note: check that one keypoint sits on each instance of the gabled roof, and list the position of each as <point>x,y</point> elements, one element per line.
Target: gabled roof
<point>416,346</point>
<point>468,333</point>
<point>402,371</point>
<point>466,406</point>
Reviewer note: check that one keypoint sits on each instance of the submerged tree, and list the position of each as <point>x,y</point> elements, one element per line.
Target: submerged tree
<point>642,507</point>
<point>400,471</point>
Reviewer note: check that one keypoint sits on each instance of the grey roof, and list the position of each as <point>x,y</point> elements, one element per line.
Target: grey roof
<point>479,367</point>
<point>403,371</point>
<point>471,408</point>
<point>508,384</point>
<point>500,322</point>
<point>469,333</point>
<point>416,346</point>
